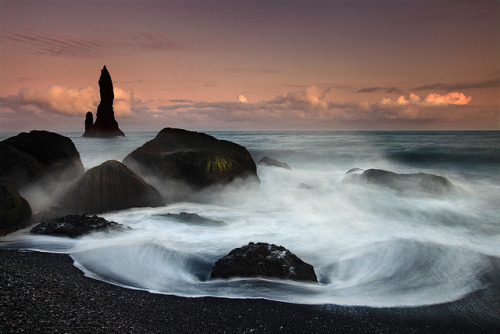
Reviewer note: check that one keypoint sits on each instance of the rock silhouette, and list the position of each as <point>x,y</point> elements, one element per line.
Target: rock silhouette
<point>105,124</point>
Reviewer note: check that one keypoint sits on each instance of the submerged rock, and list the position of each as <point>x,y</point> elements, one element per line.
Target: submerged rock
<point>107,187</point>
<point>105,124</point>
<point>194,158</point>
<point>192,218</point>
<point>74,226</point>
<point>39,156</point>
<point>15,211</point>
<point>263,260</point>
<point>420,182</point>
<point>272,162</point>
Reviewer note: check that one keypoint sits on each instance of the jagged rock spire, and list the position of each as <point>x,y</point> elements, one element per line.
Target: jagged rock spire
<point>105,124</point>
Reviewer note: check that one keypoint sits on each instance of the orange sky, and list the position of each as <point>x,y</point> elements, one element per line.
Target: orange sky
<point>252,65</point>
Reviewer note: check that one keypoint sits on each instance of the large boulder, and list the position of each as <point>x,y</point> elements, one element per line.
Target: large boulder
<point>74,226</point>
<point>194,158</point>
<point>105,124</point>
<point>15,212</point>
<point>107,187</point>
<point>22,168</point>
<point>39,155</point>
<point>406,183</point>
<point>263,260</point>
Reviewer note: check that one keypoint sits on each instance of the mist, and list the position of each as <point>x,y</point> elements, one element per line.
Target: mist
<point>369,244</point>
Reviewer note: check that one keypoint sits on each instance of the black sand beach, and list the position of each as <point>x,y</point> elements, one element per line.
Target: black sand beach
<point>45,293</point>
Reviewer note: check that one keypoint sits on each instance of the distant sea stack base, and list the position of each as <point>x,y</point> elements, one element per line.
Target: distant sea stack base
<point>105,124</point>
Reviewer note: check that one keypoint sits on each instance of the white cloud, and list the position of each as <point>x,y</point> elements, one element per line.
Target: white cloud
<point>55,99</point>
<point>62,100</point>
<point>450,98</point>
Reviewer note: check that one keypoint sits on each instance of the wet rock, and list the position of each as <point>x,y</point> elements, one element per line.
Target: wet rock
<point>419,182</point>
<point>194,158</point>
<point>74,226</point>
<point>105,124</point>
<point>272,162</point>
<point>107,187</point>
<point>192,218</point>
<point>22,168</point>
<point>15,211</point>
<point>263,260</point>
<point>31,157</point>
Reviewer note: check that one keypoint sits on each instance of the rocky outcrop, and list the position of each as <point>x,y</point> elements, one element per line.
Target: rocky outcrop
<point>74,226</point>
<point>89,121</point>
<point>192,218</point>
<point>107,187</point>
<point>194,158</point>
<point>105,124</point>
<point>272,162</point>
<point>39,156</point>
<point>15,211</point>
<point>420,182</point>
<point>263,260</point>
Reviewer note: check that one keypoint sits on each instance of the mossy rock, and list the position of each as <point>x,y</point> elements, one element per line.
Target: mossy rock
<point>195,158</point>
<point>15,211</point>
<point>108,187</point>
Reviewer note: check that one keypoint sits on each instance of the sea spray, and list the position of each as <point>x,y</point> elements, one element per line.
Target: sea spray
<point>369,245</point>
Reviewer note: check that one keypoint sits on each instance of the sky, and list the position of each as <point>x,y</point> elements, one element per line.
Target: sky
<point>252,65</point>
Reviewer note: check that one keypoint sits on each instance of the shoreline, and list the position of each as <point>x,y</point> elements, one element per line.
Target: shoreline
<point>46,293</point>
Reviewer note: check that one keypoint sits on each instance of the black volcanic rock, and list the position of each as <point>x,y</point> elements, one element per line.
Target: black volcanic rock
<point>263,260</point>
<point>31,157</point>
<point>105,124</point>
<point>272,162</point>
<point>74,226</point>
<point>21,167</point>
<point>405,183</point>
<point>15,211</point>
<point>194,158</point>
<point>107,187</point>
<point>192,218</point>
<point>89,121</point>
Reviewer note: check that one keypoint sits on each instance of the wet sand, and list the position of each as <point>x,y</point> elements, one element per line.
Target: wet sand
<point>45,293</point>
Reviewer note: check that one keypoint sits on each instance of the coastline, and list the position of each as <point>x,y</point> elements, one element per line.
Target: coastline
<point>45,293</point>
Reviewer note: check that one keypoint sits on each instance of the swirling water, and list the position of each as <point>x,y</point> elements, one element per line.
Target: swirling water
<point>369,245</point>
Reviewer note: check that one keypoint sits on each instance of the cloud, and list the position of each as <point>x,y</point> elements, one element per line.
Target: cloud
<point>450,98</point>
<point>62,100</point>
<point>387,90</point>
<point>250,70</point>
<point>310,108</point>
<point>455,98</point>
<point>54,99</point>
<point>307,108</point>
<point>90,44</point>
<point>492,83</point>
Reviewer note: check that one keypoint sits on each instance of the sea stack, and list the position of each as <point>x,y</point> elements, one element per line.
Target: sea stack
<point>105,124</point>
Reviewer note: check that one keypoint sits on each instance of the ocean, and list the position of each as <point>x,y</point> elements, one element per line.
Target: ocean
<point>369,245</point>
